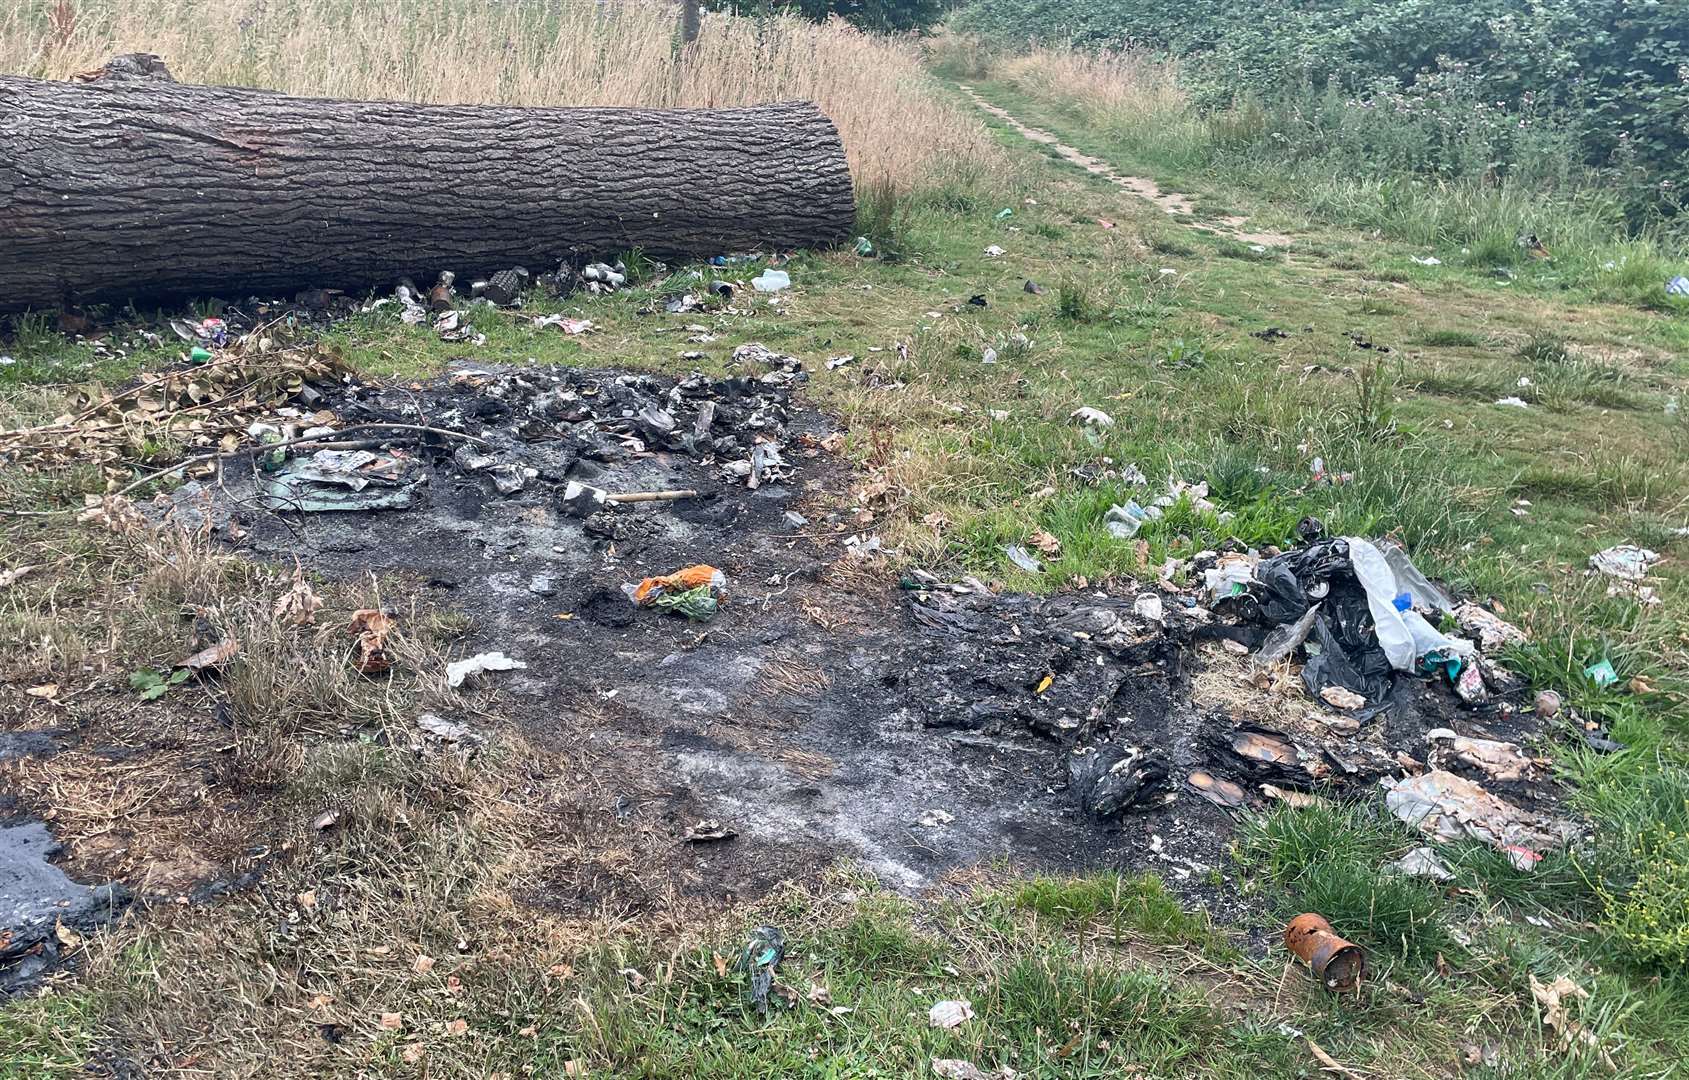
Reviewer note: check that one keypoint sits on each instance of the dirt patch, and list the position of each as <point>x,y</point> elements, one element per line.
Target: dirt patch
<point>1171,203</point>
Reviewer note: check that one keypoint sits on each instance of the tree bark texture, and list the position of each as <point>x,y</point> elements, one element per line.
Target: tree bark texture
<point>146,190</point>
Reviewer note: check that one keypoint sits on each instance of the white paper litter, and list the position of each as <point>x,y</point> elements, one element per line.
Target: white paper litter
<point>459,670</point>
<point>950,1014</point>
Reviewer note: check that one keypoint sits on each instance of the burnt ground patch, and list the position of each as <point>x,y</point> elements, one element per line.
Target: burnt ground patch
<point>825,712</point>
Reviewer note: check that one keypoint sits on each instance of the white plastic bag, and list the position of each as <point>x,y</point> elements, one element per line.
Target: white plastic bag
<point>1404,635</point>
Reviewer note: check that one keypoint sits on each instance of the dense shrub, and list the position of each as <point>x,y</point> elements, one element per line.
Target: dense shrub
<point>1611,77</point>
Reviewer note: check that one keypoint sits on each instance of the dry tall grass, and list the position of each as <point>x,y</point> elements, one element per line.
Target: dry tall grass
<point>1130,86</point>
<point>896,127</point>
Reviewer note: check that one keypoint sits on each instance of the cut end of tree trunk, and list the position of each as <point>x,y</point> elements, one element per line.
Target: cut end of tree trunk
<point>132,187</point>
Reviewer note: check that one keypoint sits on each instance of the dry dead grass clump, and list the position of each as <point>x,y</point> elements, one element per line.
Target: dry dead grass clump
<point>1108,83</point>
<point>894,123</point>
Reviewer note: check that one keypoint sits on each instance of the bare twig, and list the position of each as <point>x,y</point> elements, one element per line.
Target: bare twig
<point>1329,1064</point>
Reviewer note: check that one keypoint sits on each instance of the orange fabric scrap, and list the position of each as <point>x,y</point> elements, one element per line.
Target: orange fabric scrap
<point>693,577</point>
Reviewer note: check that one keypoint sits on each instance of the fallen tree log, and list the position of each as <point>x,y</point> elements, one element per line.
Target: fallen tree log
<point>146,189</point>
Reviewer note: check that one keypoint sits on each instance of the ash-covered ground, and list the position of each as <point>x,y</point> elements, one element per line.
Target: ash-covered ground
<point>828,711</point>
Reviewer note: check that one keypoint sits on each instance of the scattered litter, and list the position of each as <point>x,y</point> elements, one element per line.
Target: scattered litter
<point>993,252</point>
<point>1450,807</point>
<point>449,325</point>
<point>949,1015</point>
<point>1624,561</point>
<point>836,362</point>
<point>935,819</point>
<point>1090,417</point>
<point>566,324</point>
<point>1678,286</point>
<point>1422,862</point>
<point>771,281</point>
<point>503,288</point>
<point>1023,558</point>
<point>342,480</point>
<point>1123,522</point>
<point>445,730</point>
<point>1367,626</point>
<point>1032,287</point>
<point>1230,575</point>
<point>602,278</point>
<point>1499,760</point>
<point>1339,965</point>
<point>1286,638</point>
<point>212,656</point>
<point>863,547</point>
<point>864,246</point>
<point>1222,793</point>
<point>762,953</point>
<point>1513,402</point>
<point>709,831</point>
<point>1601,673</point>
<point>459,670</point>
<point>958,1069</point>
<point>1324,478</point>
<point>1429,260</point>
<point>1296,800</point>
<point>1340,698</point>
<point>1492,632</point>
<point>695,592</point>
<point>1149,606</point>
<point>584,500</point>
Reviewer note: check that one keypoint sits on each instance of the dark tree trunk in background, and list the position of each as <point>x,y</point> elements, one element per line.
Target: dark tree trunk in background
<point>691,20</point>
<point>145,189</point>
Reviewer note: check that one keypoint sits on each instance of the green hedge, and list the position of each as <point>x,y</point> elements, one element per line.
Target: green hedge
<point>1614,72</point>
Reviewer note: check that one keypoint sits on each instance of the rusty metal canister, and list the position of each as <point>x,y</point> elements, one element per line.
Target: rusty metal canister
<point>1337,964</point>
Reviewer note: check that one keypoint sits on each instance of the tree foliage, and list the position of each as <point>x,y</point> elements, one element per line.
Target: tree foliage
<point>1614,72</point>
<point>890,16</point>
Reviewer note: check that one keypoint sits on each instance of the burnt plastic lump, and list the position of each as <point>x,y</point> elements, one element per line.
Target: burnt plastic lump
<point>1108,780</point>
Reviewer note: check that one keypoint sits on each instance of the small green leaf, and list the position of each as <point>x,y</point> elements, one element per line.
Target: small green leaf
<point>144,679</point>
<point>179,676</point>
<point>154,692</point>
